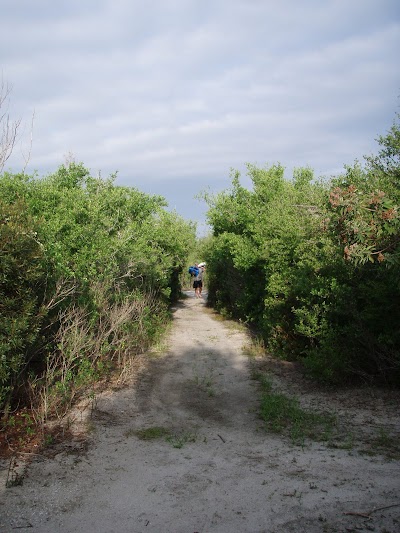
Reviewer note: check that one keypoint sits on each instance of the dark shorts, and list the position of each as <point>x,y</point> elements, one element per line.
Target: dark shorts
<point>197,284</point>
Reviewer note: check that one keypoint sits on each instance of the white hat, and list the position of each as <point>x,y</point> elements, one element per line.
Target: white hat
<point>202,264</point>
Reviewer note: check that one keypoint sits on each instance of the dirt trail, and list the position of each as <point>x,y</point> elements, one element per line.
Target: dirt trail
<point>217,470</point>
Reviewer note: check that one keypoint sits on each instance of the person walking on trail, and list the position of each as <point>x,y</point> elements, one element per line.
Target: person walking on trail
<point>198,282</point>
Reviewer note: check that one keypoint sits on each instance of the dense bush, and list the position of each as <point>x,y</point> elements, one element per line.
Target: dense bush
<point>88,270</point>
<point>314,266</point>
<point>23,273</point>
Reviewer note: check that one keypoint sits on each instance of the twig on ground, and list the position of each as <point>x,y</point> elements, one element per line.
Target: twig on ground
<point>368,513</point>
<point>385,507</point>
<point>353,513</point>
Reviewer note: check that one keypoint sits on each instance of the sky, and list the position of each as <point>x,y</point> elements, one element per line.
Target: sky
<point>173,94</point>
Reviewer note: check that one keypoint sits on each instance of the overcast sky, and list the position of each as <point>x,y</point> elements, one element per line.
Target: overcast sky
<point>172,94</point>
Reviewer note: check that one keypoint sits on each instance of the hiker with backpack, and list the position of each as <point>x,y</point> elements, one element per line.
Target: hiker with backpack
<point>197,271</point>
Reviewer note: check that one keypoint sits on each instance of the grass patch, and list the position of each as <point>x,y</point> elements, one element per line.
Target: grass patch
<point>385,444</point>
<point>256,348</point>
<point>205,381</point>
<point>282,414</point>
<point>176,439</point>
<point>151,433</point>
<point>346,442</point>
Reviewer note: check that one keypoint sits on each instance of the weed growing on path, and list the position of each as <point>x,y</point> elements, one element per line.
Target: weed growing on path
<point>151,433</point>
<point>205,380</point>
<point>383,443</point>
<point>284,414</point>
<point>176,439</point>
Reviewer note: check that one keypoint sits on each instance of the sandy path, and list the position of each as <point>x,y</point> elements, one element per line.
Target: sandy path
<point>228,475</point>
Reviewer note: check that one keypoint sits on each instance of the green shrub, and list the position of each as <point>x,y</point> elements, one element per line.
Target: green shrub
<point>314,266</point>
<point>88,271</point>
<point>23,275</point>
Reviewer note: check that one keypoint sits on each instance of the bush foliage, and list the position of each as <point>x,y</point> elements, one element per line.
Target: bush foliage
<point>87,272</point>
<point>313,265</point>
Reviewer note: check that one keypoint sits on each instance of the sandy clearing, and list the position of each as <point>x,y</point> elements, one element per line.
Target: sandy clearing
<point>228,475</point>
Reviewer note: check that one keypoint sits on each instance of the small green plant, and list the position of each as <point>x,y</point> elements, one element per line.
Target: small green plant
<point>150,433</point>
<point>383,438</point>
<point>48,440</point>
<point>344,441</point>
<point>29,424</point>
<point>256,348</point>
<point>205,382</point>
<point>386,444</point>
<point>178,440</point>
<point>14,478</point>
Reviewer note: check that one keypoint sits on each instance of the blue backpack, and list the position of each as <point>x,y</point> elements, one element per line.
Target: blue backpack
<point>193,271</point>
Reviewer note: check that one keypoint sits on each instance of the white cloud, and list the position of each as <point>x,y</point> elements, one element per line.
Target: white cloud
<point>166,90</point>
